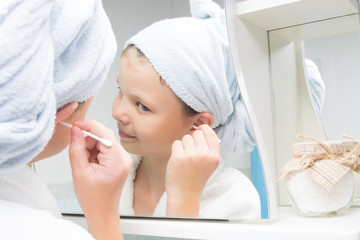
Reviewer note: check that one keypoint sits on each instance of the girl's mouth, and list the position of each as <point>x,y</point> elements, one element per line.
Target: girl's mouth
<point>123,134</point>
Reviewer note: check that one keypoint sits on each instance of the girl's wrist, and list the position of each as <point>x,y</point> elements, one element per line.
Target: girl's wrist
<point>104,226</point>
<point>185,205</point>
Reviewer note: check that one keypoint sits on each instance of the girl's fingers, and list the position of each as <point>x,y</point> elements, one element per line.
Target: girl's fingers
<point>77,150</point>
<point>188,142</point>
<point>97,129</point>
<point>210,136</point>
<point>199,139</point>
<point>177,148</point>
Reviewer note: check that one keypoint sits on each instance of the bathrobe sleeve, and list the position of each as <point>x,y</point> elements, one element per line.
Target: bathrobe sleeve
<point>230,195</point>
<point>24,222</point>
<point>22,185</point>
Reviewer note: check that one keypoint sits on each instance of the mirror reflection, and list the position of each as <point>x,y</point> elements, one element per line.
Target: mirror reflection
<point>315,71</point>
<point>338,59</point>
<point>152,110</point>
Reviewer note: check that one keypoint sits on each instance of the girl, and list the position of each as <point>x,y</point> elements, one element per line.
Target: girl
<point>177,83</point>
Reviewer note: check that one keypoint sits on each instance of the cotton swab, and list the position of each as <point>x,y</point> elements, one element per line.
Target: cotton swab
<point>106,142</point>
<point>197,128</point>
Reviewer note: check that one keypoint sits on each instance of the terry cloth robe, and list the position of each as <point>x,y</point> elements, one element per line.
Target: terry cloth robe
<point>29,211</point>
<point>228,194</point>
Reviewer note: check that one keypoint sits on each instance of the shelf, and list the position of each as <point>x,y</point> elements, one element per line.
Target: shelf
<point>288,224</point>
<point>272,15</point>
<point>330,27</point>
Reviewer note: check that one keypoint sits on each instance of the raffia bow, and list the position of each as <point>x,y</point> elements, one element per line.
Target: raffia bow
<point>325,167</point>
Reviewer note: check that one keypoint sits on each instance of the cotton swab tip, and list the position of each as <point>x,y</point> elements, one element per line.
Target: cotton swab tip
<point>105,142</point>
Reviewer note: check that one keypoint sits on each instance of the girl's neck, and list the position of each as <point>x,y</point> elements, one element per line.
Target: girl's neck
<point>153,169</point>
<point>149,185</point>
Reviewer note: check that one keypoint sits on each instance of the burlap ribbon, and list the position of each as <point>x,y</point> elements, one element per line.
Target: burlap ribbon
<point>325,163</point>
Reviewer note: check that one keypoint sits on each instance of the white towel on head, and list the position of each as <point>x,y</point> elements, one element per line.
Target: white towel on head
<point>27,101</point>
<point>192,55</point>
<point>206,9</point>
<point>53,53</point>
<point>85,47</point>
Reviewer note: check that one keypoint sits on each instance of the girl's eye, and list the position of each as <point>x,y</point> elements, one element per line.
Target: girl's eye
<point>143,107</point>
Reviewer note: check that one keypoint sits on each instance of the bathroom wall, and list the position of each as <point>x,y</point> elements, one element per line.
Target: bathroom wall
<point>338,60</point>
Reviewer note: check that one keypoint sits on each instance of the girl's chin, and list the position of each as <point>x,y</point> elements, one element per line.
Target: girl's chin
<point>130,148</point>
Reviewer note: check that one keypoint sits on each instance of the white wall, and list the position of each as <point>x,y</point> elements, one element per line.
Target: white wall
<point>338,59</point>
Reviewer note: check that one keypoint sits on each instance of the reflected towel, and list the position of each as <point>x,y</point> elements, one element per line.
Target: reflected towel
<point>317,86</point>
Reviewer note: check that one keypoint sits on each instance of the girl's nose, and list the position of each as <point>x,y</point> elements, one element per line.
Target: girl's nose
<point>120,111</point>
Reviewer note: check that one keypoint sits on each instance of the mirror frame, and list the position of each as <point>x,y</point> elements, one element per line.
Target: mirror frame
<point>239,55</point>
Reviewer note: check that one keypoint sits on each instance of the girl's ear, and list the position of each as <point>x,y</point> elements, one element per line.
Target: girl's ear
<point>204,118</point>
<point>65,111</point>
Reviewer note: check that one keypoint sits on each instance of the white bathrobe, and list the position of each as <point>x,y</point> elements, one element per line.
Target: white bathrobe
<point>228,194</point>
<point>29,211</point>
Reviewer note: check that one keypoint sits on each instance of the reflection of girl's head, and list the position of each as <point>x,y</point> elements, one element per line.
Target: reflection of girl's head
<point>150,116</point>
<point>187,109</point>
<point>192,56</point>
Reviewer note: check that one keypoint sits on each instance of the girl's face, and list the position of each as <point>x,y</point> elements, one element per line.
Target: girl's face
<point>149,115</point>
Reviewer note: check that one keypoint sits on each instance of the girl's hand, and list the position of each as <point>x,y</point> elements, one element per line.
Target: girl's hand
<point>99,173</point>
<point>192,162</point>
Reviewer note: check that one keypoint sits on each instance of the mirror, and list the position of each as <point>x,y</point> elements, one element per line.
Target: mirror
<point>338,60</point>
<point>315,74</point>
<point>127,18</point>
